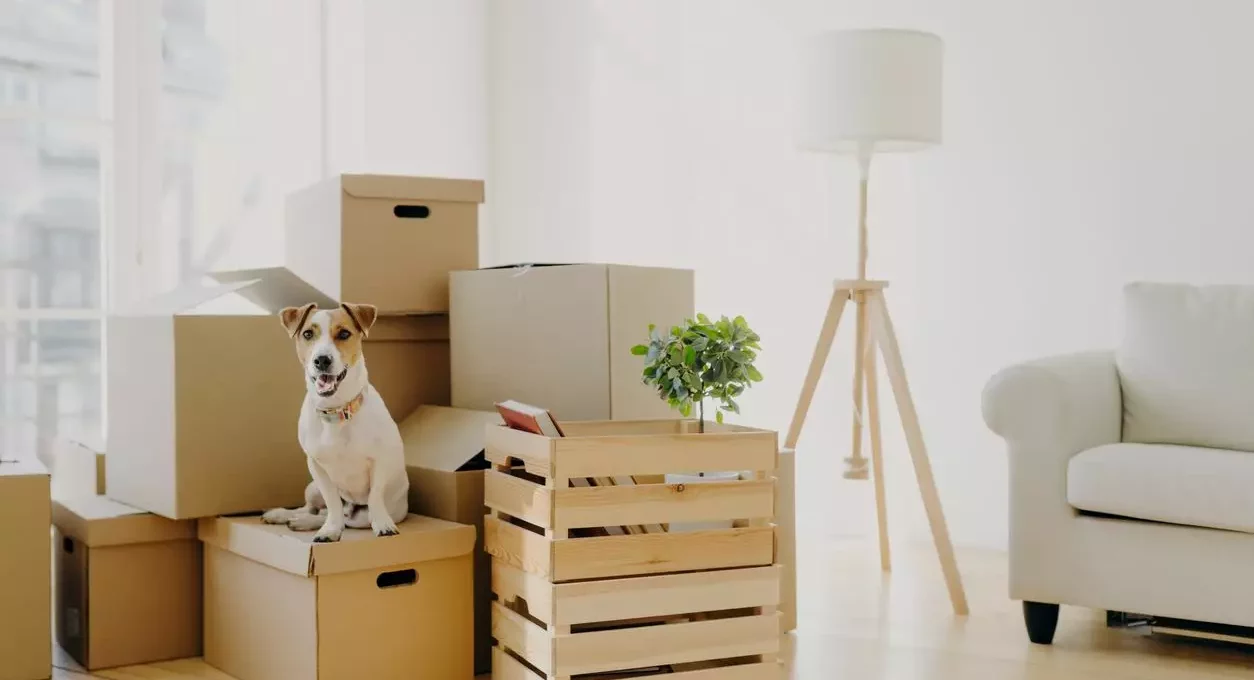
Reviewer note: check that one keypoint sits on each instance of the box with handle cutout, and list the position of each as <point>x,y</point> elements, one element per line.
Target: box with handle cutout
<point>385,240</point>
<point>279,607</point>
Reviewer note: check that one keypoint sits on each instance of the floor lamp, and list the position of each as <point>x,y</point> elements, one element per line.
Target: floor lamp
<point>865,92</point>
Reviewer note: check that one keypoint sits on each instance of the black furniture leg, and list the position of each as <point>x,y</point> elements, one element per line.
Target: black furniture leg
<point>1041,620</point>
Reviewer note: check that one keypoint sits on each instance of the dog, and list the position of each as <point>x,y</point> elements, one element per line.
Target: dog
<point>351,443</point>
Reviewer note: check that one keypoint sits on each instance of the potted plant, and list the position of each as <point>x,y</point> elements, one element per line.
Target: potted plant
<point>699,361</point>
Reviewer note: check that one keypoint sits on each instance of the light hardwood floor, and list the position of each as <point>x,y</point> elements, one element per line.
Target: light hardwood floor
<point>857,623</point>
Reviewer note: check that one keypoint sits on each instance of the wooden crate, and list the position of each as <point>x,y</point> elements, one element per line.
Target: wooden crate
<point>573,602</point>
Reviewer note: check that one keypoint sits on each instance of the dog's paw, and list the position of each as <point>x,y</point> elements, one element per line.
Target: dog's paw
<point>306,522</point>
<point>277,516</point>
<point>384,527</point>
<point>327,536</point>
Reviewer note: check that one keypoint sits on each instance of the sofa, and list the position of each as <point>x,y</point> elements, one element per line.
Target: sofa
<point>1132,469</point>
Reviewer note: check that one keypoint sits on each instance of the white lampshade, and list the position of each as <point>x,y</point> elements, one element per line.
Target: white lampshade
<point>876,86</point>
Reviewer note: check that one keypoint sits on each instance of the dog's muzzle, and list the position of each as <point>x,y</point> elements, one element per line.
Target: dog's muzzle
<point>327,383</point>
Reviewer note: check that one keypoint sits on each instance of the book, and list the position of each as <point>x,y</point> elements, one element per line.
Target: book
<point>529,418</point>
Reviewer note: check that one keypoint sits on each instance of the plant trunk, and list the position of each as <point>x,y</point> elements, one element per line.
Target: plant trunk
<point>701,421</point>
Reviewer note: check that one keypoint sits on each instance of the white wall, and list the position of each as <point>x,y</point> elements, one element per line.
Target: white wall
<point>1087,144</point>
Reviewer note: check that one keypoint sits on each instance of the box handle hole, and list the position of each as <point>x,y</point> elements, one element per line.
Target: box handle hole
<point>412,212</point>
<point>397,579</point>
<point>67,545</point>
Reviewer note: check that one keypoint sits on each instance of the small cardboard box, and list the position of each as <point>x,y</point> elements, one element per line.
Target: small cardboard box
<point>279,607</point>
<point>78,468</point>
<point>203,406</point>
<point>386,240</point>
<point>127,584</point>
<point>444,455</point>
<point>25,571</point>
<point>560,336</point>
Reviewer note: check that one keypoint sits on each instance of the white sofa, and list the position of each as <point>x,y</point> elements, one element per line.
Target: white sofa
<point>1132,470</point>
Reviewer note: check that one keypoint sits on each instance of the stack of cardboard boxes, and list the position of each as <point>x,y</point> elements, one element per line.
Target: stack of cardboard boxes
<point>172,560</point>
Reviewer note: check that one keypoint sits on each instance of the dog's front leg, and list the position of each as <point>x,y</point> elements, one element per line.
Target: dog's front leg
<point>333,527</point>
<point>381,521</point>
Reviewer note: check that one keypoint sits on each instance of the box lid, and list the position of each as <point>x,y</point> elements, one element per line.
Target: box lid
<point>99,521</point>
<point>22,468</point>
<point>273,288</point>
<point>444,438</point>
<point>421,539</point>
<point>414,188</point>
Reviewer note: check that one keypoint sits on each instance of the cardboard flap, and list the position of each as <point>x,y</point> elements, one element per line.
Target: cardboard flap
<point>400,187</point>
<point>180,299</point>
<point>273,288</point>
<point>444,438</point>
<point>421,539</point>
<point>98,522</point>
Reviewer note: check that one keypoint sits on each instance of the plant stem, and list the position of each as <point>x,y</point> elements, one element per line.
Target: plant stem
<point>701,410</point>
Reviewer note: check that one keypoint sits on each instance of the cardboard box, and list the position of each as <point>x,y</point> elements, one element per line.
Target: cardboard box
<point>127,584</point>
<point>203,406</point>
<point>385,240</point>
<point>279,607</point>
<point>25,571</point>
<point>444,456</point>
<point>78,468</point>
<point>560,337</point>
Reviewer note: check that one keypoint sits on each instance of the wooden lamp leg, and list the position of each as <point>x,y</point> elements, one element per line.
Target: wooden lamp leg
<point>856,464</point>
<point>877,456</point>
<point>821,349</point>
<point>886,339</point>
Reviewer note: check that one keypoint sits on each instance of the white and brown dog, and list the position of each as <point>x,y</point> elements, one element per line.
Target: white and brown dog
<point>353,446</point>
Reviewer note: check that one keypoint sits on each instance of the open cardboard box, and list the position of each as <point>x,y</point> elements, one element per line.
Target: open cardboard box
<point>204,401</point>
<point>386,240</point>
<point>444,457</point>
<point>561,336</point>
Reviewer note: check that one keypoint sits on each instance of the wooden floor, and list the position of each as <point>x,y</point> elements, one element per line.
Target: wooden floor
<point>857,623</point>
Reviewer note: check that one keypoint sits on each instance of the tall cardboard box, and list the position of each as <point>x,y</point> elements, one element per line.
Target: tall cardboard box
<point>203,405</point>
<point>386,240</point>
<point>127,584</point>
<point>25,571</point>
<point>279,607</point>
<point>444,456</point>
<point>560,336</point>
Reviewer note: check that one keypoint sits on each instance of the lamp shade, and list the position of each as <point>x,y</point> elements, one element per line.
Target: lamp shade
<point>880,87</point>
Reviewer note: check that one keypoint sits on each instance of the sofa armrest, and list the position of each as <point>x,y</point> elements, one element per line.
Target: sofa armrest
<point>1056,406</point>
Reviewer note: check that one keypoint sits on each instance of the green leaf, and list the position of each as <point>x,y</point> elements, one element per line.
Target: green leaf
<point>703,318</point>
<point>640,350</point>
<point>719,417</point>
<point>754,374</point>
<point>740,322</point>
<point>738,356</point>
<point>690,356</point>
<point>672,373</point>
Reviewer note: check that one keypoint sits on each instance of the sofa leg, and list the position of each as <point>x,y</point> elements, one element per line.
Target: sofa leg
<point>1041,620</point>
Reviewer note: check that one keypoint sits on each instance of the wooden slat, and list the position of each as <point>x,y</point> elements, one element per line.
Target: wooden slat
<point>516,546</point>
<point>536,452</point>
<point>518,497</point>
<point>638,598</point>
<point>663,454</point>
<point>511,583</point>
<point>608,428</point>
<point>755,671</point>
<point>611,650</point>
<point>522,637</point>
<point>614,556</point>
<point>657,503</point>
<point>506,667</point>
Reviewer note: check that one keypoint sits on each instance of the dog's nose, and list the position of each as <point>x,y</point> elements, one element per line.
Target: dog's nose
<point>322,362</point>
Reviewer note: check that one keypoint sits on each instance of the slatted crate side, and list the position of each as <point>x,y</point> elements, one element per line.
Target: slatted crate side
<point>583,602</point>
<point>503,445</point>
<point>517,546</point>
<point>614,556</point>
<point>604,506</point>
<point>660,454</point>
<point>506,667</point>
<point>519,497</point>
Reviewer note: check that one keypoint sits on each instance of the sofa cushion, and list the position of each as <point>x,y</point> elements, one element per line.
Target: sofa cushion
<point>1165,483</point>
<point>1186,365</point>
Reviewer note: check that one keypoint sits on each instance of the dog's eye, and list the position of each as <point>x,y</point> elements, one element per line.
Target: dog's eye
<point>343,334</point>
<point>308,334</point>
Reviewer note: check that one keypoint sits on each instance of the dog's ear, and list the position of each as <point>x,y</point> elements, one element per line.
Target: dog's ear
<point>294,318</point>
<point>363,316</point>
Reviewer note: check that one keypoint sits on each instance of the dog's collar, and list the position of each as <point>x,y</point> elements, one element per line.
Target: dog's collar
<point>345,413</point>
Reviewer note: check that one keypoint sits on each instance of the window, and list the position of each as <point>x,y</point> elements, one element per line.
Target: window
<point>141,145</point>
